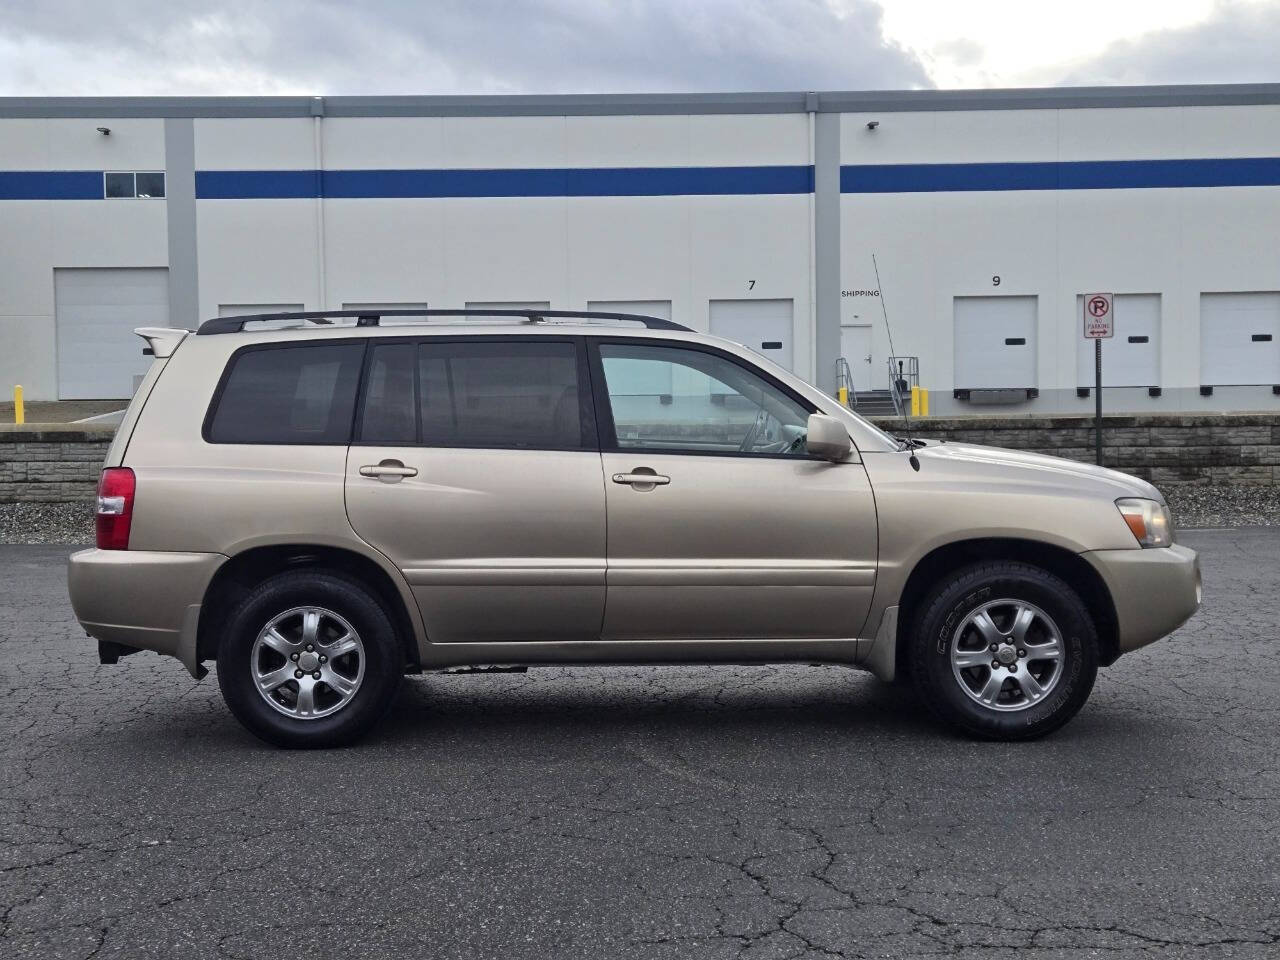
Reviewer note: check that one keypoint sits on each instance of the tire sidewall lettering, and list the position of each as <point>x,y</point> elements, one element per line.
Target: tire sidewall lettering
<point>960,610</point>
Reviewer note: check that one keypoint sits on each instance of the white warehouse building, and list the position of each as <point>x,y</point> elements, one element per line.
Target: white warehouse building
<point>989,214</point>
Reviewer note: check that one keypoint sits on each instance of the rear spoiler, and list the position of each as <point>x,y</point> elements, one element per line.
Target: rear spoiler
<point>161,341</point>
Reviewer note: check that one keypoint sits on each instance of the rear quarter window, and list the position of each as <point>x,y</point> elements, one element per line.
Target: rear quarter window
<point>303,394</point>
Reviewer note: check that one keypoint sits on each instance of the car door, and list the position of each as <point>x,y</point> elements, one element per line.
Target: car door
<point>475,469</point>
<point>720,524</point>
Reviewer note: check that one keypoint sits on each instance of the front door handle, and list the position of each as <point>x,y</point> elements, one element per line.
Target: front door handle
<point>388,471</point>
<point>642,479</point>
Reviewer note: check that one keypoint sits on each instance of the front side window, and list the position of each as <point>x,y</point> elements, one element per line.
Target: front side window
<point>476,394</point>
<point>287,395</point>
<point>675,398</point>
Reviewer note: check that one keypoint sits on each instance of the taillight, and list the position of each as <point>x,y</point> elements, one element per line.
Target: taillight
<point>115,508</point>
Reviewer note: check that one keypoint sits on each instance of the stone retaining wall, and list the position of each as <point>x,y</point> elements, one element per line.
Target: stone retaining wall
<point>51,463</point>
<point>59,463</point>
<point>1165,449</point>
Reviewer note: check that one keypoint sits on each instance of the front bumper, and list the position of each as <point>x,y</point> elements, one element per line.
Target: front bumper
<point>144,599</point>
<point>1154,591</point>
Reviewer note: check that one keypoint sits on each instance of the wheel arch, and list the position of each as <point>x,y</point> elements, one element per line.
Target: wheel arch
<point>239,574</point>
<point>1070,566</point>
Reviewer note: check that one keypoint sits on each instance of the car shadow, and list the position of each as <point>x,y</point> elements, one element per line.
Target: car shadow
<point>548,706</point>
<point>817,699</point>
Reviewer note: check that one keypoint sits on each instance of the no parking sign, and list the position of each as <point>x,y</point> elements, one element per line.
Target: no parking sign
<point>1099,316</point>
<point>1099,325</point>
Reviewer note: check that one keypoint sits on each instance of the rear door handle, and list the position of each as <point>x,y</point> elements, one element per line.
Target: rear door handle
<point>388,471</point>
<point>642,479</point>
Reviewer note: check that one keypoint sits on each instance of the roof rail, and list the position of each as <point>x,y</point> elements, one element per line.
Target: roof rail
<point>372,318</point>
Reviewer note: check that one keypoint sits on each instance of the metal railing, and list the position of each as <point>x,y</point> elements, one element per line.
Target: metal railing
<point>844,384</point>
<point>904,373</point>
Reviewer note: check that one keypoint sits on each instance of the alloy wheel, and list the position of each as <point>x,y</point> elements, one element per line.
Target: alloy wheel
<point>307,662</point>
<point>1007,655</point>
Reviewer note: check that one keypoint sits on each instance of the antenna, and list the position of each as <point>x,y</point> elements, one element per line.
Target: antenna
<point>906,422</point>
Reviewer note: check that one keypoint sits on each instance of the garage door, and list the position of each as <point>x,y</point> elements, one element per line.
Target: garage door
<point>638,378</point>
<point>649,308</point>
<point>995,343</point>
<point>96,312</point>
<point>1132,357</point>
<point>389,321</point>
<point>762,325</point>
<point>508,304</point>
<point>1239,338</point>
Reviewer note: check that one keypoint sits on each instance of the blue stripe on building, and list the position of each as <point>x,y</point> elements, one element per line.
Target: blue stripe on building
<point>673,181</point>
<point>1075,175</point>
<point>51,185</point>
<point>257,184</point>
<point>537,182</point>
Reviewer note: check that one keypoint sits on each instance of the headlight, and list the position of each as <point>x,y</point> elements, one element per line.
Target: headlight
<point>1149,521</point>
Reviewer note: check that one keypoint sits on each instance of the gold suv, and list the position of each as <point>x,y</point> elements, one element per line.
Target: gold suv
<point>323,502</point>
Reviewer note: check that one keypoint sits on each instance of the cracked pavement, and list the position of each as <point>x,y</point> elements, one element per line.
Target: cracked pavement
<point>750,812</point>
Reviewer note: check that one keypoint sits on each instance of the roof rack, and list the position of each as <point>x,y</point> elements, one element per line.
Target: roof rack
<point>372,318</point>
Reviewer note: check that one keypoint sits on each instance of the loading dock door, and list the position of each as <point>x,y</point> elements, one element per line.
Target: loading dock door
<point>639,378</point>
<point>390,321</point>
<point>1239,338</point>
<point>1132,357</point>
<point>761,325</point>
<point>995,344</point>
<point>249,309</point>
<point>508,304</point>
<point>648,308</point>
<point>96,311</point>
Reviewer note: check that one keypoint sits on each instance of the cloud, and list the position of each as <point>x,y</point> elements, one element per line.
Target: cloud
<point>85,47</point>
<point>961,51</point>
<point>1236,43</point>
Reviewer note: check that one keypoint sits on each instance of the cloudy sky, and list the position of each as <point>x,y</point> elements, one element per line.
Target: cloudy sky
<point>93,47</point>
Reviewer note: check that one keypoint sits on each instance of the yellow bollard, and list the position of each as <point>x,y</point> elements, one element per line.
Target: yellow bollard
<point>924,402</point>
<point>843,396</point>
<point>915,401</point>
<point>19,414</point>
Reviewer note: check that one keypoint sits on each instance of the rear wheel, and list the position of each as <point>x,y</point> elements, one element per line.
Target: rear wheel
<point>309,659</point>
<point>1004,650</point>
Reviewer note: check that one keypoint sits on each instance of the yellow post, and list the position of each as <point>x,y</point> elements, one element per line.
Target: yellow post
<point>843,396</point>
<point>19,414</point>
<point>915,401</point>
<point>924,402</point>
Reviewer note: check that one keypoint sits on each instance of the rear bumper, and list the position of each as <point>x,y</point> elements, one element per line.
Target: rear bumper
<point>148,600</point>
<point>1155,591</point>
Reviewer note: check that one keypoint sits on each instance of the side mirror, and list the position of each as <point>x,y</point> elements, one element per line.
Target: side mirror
<point>827,438</point>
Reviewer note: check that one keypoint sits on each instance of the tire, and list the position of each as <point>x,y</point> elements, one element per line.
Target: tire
<point>1025,607</point>
<point>349,692</point>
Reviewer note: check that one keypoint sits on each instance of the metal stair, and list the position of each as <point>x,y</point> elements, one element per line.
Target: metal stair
<point>874,403</point>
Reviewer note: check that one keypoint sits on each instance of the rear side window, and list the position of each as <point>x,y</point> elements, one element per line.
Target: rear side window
<point>302,394</point>
<point>477,394</point>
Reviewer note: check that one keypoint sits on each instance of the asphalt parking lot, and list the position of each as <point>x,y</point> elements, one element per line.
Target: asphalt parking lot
<point>617,812</point>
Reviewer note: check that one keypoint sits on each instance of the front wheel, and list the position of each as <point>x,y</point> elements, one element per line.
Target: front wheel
<point>309,659</point>
<point>1004,650</point>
